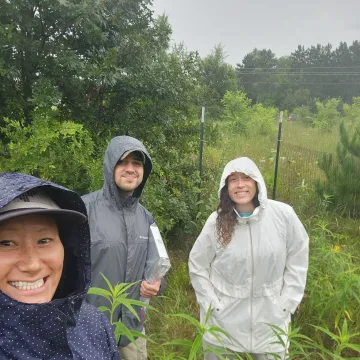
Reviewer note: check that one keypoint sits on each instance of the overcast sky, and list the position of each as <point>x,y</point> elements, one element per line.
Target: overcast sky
<point>242,25</point>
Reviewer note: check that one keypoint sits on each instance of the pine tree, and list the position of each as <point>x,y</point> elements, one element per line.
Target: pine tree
<point>342,172</point>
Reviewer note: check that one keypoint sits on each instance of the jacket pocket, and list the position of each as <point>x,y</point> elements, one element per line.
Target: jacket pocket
<point>284,309</point>
<point>226,306</point>
<point>217,309</point>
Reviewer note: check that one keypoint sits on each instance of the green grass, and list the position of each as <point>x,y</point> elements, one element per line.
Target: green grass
<point>296,133</point>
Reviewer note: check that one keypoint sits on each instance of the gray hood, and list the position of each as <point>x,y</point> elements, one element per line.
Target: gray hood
<point>116,148</point>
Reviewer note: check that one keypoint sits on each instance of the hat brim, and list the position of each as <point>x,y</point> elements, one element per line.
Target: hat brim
<point>137,152</point>
<point>64,216</point>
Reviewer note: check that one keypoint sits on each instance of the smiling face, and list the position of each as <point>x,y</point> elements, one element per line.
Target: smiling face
<point>242,190</point>
<point>31,258</point>
<point>129,173</point>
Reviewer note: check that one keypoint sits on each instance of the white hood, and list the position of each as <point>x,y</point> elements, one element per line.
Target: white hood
<point>247,167</point>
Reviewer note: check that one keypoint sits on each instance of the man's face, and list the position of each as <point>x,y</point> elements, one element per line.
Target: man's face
<point>129,173</point>
<point>31,258</point>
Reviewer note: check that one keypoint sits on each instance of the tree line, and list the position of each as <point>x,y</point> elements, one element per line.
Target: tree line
<point>75,73</point>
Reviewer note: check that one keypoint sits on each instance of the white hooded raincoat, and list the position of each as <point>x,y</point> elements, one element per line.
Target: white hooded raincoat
<point>259,278</point>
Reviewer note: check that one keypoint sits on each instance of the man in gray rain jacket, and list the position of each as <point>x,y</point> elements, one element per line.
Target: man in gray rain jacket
<point>121,233</point>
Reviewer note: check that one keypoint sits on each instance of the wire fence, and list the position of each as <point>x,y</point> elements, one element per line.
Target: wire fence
<point>299,166</point>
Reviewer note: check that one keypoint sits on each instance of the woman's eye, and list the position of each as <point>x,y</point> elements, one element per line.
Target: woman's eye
<point>6,243</point>
<point>44,241</point>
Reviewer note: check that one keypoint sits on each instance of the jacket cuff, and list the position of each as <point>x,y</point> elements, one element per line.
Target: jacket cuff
<point>291,305</point>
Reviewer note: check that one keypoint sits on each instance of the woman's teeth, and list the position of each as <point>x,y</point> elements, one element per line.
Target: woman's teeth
<point>23,285</point>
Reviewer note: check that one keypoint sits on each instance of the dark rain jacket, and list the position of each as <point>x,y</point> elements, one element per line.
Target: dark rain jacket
<point>67,327</point>
<point>120,233</point>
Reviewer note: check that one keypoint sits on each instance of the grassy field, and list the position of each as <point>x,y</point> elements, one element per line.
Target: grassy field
<point>332,299</point>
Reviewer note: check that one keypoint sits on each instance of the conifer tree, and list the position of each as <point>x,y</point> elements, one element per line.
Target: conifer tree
<point>342,172</point>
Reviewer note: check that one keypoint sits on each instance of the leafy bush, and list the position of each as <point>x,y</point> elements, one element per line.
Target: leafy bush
<point>303,114</point>
<point>352,112</point>
<point>49,149</point>
<point>249,120</point>
<point>236,109</point>
<point>327,114</point>
<point>262,120</point>
<point>171,192</point>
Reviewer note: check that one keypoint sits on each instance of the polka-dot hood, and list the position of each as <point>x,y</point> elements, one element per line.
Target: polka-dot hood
<point>64,326</point>
<point>75,279</point>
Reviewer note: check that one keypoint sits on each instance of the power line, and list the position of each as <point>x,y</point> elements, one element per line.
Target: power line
<point>299,83</point>
<point>299,68</point>
<point>302,73</point>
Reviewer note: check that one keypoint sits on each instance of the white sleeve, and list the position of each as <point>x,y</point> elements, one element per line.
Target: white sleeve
<point>297,258</point>
<point>200,259</point>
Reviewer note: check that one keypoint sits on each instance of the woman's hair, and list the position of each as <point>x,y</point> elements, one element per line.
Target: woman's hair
<point>227,218</point>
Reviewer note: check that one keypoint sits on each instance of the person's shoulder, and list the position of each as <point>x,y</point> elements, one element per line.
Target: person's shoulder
<point>275,205</point>
<point>90,312</point>
<point>87,310</point>
<point>213,216</point>
<point>90,197</point>
<point>211,220</point>
<point>95,326</point>
<point>149,216</point>
<point>282,211</point>
<point>209,228</point>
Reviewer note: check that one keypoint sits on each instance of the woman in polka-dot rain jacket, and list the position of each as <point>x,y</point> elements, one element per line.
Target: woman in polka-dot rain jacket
<point>45,275</point>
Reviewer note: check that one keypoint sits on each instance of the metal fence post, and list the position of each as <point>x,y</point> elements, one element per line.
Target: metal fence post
<point>277,155</point>
<point>201,146</point>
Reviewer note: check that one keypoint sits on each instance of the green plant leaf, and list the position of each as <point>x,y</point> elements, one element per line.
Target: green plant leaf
<point>192,320</point>
<point>100,292</point>
<point>196,348</point>
<point>216,329</point>
<point>353,347</point>
<point>328,332</point>
<point>180,342</point>
<point>121,329</point>
<point>103,308</point>
<point>108,284</point>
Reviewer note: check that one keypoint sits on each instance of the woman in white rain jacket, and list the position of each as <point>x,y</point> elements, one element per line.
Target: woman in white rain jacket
<point>249,263</point>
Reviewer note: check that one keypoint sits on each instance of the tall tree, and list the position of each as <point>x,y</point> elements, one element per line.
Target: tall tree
<point>316,72</point>
<point>255,75</point>
<point>75,50</point>
<point>328,72</point>
<point>342,172</point>
<point>217,78</point>
<point>108,66</point>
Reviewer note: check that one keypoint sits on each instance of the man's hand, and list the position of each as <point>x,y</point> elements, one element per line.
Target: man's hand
<point>149,290</point>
